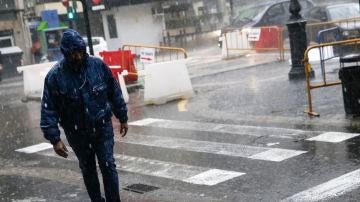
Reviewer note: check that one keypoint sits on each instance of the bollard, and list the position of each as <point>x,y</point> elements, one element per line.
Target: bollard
<point>298,43</point>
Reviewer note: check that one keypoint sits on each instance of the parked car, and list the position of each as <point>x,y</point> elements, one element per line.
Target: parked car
<point>99,45</point>
<point>335,12</point>
<point>269,13</point>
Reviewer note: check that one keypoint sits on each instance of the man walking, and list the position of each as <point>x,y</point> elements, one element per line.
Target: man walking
<point>80,94</point>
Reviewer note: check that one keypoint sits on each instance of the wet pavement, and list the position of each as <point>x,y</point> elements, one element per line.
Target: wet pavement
<point>244,136</point>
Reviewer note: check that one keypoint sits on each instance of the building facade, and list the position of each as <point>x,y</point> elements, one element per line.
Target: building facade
<point>13,27</point>
<point>160,22</point>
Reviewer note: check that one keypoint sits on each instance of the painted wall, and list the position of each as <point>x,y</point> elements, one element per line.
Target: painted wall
<point>135,25</point>
<point>21,33</point>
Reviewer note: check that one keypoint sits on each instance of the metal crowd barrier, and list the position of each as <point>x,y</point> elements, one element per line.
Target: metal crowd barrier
<point>324,53</point>
<point>270,38</point>
<point>257,39</point>
<point>152,54</point>
<point>347,29</point>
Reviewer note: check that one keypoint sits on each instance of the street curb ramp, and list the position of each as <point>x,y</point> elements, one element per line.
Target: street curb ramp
<point>166,81</point>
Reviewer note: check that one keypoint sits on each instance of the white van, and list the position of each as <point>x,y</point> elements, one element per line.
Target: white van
<point>99,45</point>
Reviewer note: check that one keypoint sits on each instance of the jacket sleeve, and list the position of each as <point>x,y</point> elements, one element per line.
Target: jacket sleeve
<point>116,98</point>
<point>49,116</point>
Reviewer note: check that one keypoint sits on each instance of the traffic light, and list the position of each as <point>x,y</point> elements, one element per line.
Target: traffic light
<point>71,13</point>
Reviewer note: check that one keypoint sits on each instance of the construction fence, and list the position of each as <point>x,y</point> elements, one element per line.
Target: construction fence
<point>328,58</point>
<point>134,57</point>
<point>275,38</point>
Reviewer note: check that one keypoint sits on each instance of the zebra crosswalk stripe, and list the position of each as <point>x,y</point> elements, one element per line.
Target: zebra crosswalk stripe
<point>174,171</point>
<point>333,137</point>
<point>227,149</point>
<point>284,133</point>
<point>221,128</point>
<point>328,190</point>
<point>35,148</point>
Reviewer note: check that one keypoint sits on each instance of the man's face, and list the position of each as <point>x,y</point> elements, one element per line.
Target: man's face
<point>77,58</point>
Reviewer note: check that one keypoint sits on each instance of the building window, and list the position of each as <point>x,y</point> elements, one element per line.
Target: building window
<point>6,41</point>
<point>112,26</point>
<point>7,4</point>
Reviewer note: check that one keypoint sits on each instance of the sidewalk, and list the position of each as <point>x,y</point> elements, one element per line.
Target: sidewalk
<point>264,95</point>
<point>200,66</point>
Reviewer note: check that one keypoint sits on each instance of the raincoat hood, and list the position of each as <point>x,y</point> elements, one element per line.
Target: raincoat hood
<point>71,41</point>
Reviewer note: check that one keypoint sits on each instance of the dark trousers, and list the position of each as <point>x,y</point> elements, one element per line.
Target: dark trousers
<point>86,147</point>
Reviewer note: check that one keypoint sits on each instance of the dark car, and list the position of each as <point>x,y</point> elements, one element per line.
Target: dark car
<point>348,29</point>
<point>270,13</point>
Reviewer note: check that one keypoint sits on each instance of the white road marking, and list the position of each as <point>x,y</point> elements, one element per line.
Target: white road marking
<point>157,168</point>
<point>35,148</point>
<point>220,128</point>
<point>169,170</point>
<point>235,150</point>
<point>12,85</point>
<point>144,122</point>
<point>213,177</point>
<point>328,190</point>
<point>270,144</point>
<point>333,137</point>
<point>277,154</point>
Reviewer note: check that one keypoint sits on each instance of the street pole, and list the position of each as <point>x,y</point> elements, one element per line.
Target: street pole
<point>74,5</point>
<point>87,26</point>
<point>232,9</point>
<point>71,24</point>
<point>298,42</point>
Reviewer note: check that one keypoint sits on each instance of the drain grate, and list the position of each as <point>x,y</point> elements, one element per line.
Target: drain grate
<point>140,188</point>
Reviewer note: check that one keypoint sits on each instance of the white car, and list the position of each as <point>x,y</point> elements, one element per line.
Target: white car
<point>99,45</point>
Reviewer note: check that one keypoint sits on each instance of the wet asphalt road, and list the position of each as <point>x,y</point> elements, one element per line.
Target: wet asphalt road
<point>248,125</point>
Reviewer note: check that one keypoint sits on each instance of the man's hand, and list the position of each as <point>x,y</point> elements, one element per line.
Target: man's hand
<point>123,129</point>
<point>61,149</point>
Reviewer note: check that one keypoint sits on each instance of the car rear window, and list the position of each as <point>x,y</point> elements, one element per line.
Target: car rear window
<point>248,14</point>
<point>344,11</point>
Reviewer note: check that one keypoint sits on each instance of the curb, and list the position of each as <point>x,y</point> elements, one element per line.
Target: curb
<point>231,69</point>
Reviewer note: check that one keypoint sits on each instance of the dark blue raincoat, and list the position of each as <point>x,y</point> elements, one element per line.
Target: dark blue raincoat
<point>81,100</point>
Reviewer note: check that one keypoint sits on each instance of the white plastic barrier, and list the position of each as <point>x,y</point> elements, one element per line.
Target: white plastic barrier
<point>166,81</point>
<point>316,55</point>
<point>123,85</point>
<point>122,82</point>
<point>34,76</point>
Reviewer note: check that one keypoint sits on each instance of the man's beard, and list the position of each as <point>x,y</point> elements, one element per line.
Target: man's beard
<point>77,64</point>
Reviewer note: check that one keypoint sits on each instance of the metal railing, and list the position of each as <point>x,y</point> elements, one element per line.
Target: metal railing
<point>257,39</point>
<point>158,54</point>
<point>324,53</point>
<point>348,29</point>
<point>271,38</point>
